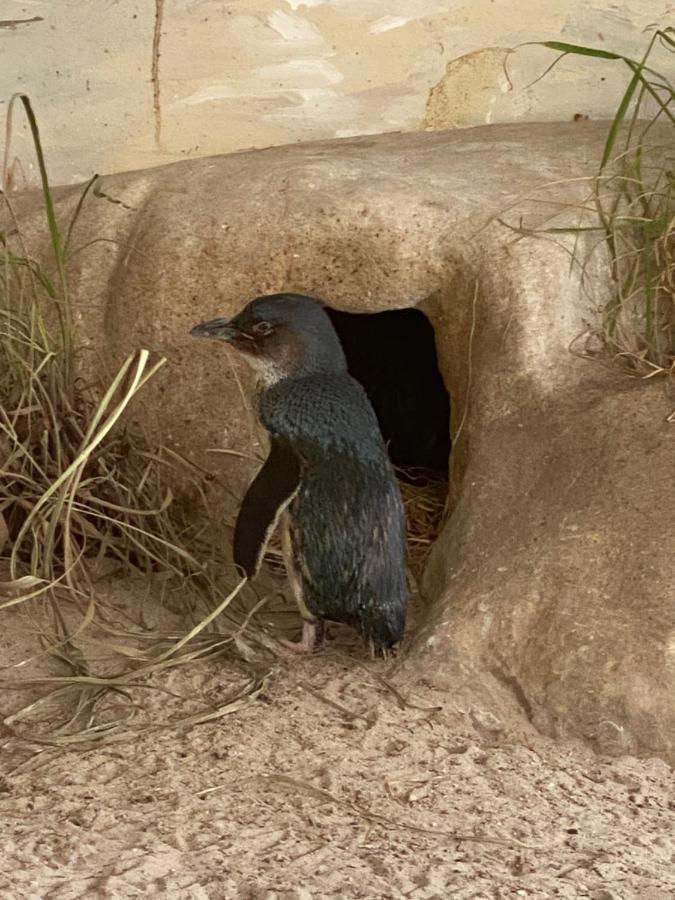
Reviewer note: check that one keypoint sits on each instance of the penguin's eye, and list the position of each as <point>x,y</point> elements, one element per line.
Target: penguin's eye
<point>262,328</point>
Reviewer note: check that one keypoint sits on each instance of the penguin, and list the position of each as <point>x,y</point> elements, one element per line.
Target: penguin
<point>327,477</point>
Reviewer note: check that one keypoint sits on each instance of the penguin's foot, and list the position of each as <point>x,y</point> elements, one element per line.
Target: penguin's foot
<point>307,644</point>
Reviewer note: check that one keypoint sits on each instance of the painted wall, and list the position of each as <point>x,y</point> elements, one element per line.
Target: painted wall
<point>121,84</point>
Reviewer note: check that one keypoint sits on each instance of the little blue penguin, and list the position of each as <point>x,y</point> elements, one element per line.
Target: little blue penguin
<point>327,477</point>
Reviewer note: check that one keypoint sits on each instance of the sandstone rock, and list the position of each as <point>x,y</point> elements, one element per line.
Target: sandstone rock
<point>552,580</point>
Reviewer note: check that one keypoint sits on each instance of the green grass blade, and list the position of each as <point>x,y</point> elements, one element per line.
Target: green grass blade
<point>579,50</point>
<point>76,214</point>
<point>54,232</point>
<point>618,120</point>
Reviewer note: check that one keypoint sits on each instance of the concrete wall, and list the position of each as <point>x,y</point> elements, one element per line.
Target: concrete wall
<point>121,84</point>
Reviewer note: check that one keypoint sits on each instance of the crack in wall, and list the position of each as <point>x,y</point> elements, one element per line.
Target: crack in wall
<point>154,76</point>
<point>12,23</point>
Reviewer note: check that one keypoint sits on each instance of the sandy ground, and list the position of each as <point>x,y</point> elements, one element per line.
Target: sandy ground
<point>342,779</point>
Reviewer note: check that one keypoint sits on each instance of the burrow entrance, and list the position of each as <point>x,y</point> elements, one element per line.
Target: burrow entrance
<point>393,355</point>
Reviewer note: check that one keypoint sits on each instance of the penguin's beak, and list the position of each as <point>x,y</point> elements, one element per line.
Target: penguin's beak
<point>223,329</point>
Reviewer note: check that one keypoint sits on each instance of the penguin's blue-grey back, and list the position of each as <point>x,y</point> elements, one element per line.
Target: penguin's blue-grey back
<point>348,516</point>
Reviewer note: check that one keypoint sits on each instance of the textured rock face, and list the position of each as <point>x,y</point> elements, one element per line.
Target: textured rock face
<point>552,580</point>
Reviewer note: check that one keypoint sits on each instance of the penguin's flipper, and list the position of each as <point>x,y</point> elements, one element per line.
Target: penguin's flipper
<point>273,488</point>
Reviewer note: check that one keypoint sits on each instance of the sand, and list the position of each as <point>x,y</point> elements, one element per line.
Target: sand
<point>343,779</point>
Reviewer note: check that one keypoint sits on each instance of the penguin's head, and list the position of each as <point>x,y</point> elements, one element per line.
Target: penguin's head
<point>281,336</point>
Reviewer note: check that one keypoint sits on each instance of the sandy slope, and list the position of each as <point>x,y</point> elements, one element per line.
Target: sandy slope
<point>328,786</point>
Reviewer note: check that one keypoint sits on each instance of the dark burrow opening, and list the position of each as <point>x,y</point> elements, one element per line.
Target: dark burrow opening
<point>393,355</point>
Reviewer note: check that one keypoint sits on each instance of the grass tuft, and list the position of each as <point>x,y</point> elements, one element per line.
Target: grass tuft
<point>634,197</point>
<point>83,490</point>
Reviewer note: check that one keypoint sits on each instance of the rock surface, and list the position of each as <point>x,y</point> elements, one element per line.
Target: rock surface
<point>552,581</point>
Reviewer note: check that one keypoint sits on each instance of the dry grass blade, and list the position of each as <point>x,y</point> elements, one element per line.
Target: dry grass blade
<point>124,728</point>
<point>222,606</point>
<point>368,718</point>
<point>326,797</point>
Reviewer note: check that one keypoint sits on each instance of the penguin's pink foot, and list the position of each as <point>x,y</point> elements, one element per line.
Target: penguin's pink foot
<point>308,643</point>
